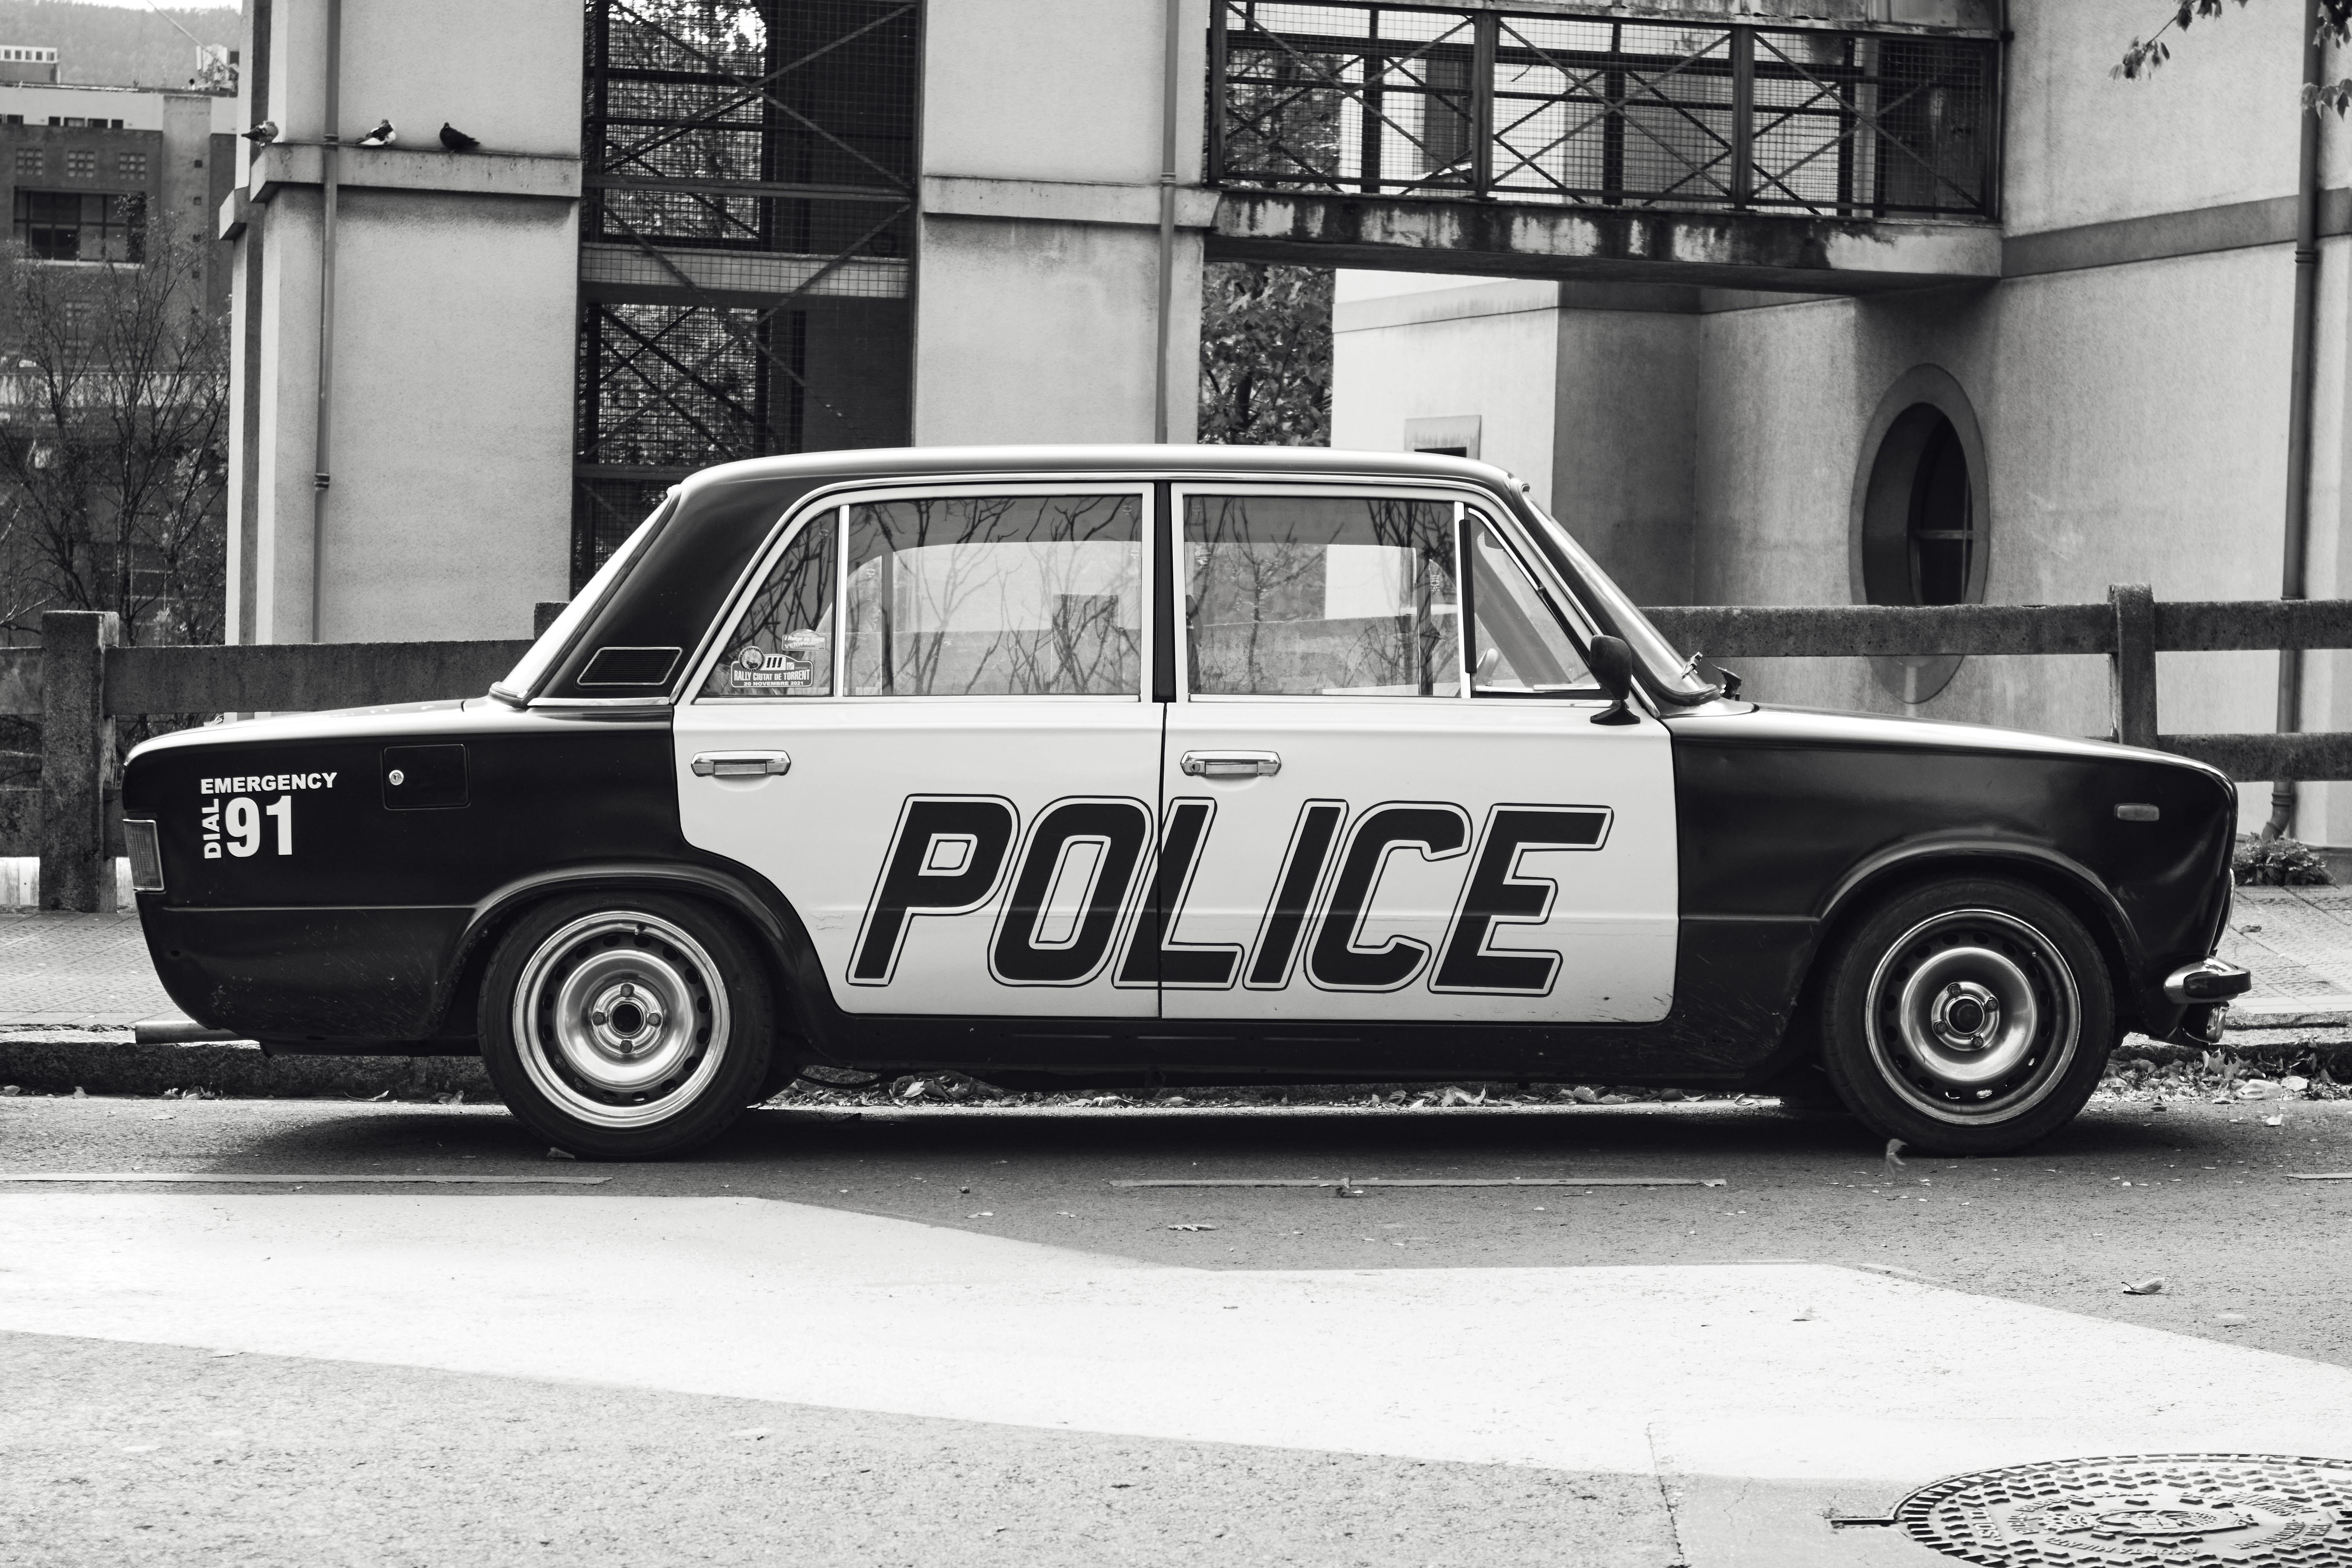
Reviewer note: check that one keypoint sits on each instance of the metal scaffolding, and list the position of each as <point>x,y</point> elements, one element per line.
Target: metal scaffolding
<point>1376,99</point>
<point>746,236</point>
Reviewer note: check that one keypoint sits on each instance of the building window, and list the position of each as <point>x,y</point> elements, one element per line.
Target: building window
<point>78,319</point>
<point>75,226</point>
<point>82,164</point>
<point>1923,516</point>
<point>1921,539</point>
<point>29,162</point>
<point>131,165</point>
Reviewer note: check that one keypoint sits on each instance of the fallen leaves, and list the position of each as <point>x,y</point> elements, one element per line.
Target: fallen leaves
<point>1191,1228</point>
<point>1894,1147</point>
<point>2144,1288</point>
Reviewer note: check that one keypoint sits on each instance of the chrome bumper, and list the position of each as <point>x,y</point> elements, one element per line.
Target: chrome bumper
<point>2208,980</point>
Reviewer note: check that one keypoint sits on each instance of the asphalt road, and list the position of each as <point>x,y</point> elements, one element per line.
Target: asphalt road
<point>580,1383</point>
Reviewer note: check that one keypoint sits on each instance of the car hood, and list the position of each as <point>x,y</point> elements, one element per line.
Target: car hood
<point>1769,725</point>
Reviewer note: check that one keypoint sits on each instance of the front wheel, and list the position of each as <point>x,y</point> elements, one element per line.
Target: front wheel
<point>1970,1015</point>
<point>625,1025</point>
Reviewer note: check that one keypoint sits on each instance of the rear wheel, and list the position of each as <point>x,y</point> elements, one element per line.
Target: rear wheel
<point>1970,1015</point>
<point>627,1026</point>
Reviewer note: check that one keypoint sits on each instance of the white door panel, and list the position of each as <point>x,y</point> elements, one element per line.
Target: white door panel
<point>1429,860</point>
<point>952,856</point>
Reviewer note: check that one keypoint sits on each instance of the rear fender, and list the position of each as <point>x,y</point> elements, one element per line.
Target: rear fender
<point>773,920</point>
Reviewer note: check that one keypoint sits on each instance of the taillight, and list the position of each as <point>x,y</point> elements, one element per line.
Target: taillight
<point>146,852</point>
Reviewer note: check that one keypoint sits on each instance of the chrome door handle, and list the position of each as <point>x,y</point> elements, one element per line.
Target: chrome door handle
<point>741,765</point>
<point>1231,765</point>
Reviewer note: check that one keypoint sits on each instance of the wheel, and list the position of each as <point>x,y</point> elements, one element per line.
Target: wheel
<point>1970,1015</point>
<point>627,1026</point>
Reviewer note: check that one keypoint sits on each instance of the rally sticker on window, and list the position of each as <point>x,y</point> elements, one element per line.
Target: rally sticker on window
<point>756,670</point>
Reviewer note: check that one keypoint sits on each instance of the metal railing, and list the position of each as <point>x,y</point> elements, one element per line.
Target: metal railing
<point>1382,100</point>
<point>79,682</point>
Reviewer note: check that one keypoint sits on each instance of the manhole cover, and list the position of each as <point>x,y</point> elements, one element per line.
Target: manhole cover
<point>2160,1510</point>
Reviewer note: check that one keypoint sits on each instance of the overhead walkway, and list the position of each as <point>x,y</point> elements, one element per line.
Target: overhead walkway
<point>1654,143</point>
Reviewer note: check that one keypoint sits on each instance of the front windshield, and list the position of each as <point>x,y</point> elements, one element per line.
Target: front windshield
<point>525,677</point>
<point>1663,670</point>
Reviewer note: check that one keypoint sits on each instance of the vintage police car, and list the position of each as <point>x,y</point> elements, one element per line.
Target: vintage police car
<point>1167,765</point>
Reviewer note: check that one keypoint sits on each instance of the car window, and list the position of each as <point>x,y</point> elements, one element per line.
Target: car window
<point>781,644</point>
<point>1325,595</point>
<point>996,596</point>
<point>1520,647</point>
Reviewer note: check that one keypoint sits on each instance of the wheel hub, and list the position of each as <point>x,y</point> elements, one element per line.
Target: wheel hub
<point>1965,1015</point>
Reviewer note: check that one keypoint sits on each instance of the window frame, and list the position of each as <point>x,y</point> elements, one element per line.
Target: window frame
<point>837,504</point>
<point>1464,500</point>
<point>1575,625</point>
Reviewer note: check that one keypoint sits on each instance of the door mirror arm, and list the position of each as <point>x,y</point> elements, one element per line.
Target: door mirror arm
<point>1611,663</point>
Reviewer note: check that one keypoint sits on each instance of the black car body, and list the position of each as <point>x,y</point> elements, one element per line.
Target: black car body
<point>342,882</point>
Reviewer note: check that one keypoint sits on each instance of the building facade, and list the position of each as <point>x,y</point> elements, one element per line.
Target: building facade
<point>100,173</point>
<point>2112,403</point>
<point>685,235</point>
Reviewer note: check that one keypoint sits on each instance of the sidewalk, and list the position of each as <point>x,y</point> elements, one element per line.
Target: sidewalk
<point>74,987</point>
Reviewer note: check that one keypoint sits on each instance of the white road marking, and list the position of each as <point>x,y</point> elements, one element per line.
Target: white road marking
<point>1768,1371</point>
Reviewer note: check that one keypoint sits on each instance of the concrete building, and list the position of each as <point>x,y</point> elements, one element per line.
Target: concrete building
<point>1774,300</point>
<point>782,227</point>
<point>95,174</point>
<point>2110,402</point>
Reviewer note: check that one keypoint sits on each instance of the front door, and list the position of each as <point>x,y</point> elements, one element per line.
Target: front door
<point>928,728</point>
<point>1370,817</point>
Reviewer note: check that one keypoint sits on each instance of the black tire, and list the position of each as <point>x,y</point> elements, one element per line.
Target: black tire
<point>1967,1015</point>
<point>627,1026</point>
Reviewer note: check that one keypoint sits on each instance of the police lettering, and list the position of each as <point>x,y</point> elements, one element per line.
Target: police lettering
<point>1088,870</point>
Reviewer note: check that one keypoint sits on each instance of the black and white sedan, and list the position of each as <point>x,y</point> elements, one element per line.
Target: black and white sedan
<point>1167,765</point>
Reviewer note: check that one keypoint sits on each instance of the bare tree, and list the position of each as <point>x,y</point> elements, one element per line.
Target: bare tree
<point>113,424</point>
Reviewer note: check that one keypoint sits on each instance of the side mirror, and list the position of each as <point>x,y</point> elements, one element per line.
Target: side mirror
<point>1611,663</point>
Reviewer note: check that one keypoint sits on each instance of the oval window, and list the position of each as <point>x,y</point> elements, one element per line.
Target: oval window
<point>1922,525</point>
<point>1943,535</point>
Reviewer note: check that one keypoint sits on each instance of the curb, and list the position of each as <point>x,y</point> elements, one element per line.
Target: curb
<point>58,1061</point>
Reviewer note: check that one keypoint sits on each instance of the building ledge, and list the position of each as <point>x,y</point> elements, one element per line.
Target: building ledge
<point>283,163</point>
<point>1714,249</point>
<point>1065,200</point>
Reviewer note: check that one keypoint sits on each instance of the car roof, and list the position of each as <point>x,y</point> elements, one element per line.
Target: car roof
<point>924,462</point>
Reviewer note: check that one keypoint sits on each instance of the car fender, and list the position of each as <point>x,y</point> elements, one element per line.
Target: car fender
<point>1933,852</point>
<point>742,893</point>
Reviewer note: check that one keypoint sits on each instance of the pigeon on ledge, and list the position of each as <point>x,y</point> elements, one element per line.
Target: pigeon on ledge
<point>262,134</point>
<point>456,140</point>
<point>384,135</point>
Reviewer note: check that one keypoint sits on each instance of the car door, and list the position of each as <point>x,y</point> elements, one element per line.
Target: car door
<point>1367,817</point>
<point>926,725</point>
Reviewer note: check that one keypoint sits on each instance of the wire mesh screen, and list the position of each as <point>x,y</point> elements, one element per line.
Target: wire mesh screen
<point>1394,100</point>
<point>746,231</point>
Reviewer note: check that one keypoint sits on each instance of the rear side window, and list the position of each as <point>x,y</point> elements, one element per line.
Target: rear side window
<point>782,644</point>
<point>995,597</point>
<point>1322,595</point>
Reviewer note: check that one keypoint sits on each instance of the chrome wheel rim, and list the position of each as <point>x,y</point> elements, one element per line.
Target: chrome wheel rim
<point>1973,1017</point>
<point>621,1019</point>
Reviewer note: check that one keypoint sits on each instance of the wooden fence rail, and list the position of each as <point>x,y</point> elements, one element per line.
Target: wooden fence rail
<point>79,681</point>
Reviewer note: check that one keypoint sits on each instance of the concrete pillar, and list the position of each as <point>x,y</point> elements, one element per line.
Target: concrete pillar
<point>76,760</point>
<point>1037,283</point>
<point>448,513</point>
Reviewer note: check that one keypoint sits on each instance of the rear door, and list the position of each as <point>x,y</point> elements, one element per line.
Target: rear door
<point>927,726</point>
<point>1370,817</point>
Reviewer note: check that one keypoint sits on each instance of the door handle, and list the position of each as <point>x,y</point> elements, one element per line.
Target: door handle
<point>1231,765</point>
<point>741,765</point>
